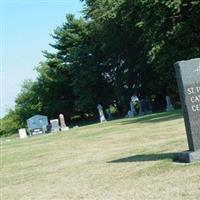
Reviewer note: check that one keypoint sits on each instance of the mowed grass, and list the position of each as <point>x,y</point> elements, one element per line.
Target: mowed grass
<point>118,160</point>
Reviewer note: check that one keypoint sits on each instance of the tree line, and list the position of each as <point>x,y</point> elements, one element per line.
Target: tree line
<point>118,47</point>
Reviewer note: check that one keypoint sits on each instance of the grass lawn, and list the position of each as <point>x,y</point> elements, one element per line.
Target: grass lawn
<point>118,160</point>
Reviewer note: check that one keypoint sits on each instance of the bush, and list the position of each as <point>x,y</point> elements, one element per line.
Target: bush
<point>9,124</point>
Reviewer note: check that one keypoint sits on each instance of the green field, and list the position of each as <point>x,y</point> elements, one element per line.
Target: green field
<point>118,160</point>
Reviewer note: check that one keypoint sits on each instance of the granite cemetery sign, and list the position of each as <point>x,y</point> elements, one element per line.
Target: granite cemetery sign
<point>188,79</point>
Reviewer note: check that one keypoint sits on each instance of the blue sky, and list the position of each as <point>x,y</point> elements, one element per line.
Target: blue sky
<point>26,27</point>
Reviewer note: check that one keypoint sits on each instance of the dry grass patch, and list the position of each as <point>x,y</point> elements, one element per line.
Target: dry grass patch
<point>119,160</point>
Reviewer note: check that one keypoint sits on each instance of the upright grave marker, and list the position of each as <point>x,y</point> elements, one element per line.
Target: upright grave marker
<point>188,79</point>
<point>37,124</point>
<point>169,104</point>
<point>22,133</point>
<point>55,125</point>
<point>101,114</point>
<point>62,123</point>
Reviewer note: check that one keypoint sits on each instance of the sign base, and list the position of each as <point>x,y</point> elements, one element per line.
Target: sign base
<point>188,156</point>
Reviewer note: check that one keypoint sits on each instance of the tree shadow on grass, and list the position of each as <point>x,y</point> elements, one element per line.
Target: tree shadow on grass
<point>155,118</point>
<point>146,157</point>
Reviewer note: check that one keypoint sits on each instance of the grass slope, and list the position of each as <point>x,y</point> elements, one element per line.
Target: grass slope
<point>118,160</point>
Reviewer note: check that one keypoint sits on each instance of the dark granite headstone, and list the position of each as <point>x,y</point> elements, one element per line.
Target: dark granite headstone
<point>188,79</point>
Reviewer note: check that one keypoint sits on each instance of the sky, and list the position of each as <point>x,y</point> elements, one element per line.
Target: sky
<point>26,26</point>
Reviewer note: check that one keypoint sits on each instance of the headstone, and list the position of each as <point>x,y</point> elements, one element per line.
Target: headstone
<point>134,98</point>
<point>37,122</point>
<point>188,79</point>
<point>169,104</point>
<point>62,123</point>
<point>22,133</point>
<point>143,107</point>
<point>148,106</point>
<point>101,114</point>
<point>130,114</point>
<point>136,104</point>
<point>109,114</point>
<point>55,125</point>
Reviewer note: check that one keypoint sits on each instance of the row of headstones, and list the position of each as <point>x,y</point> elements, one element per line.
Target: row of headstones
<point>102,117</point>
<point>144,106</point>
<point>52,127</point>
<point>55,124</point>
<point>188,79</point>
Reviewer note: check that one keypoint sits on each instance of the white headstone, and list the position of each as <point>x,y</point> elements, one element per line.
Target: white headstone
<point>136,102</point>
<point>101,114</point>
<point>134,98</point>
<point>22,133</point>
<point>55,125</point>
